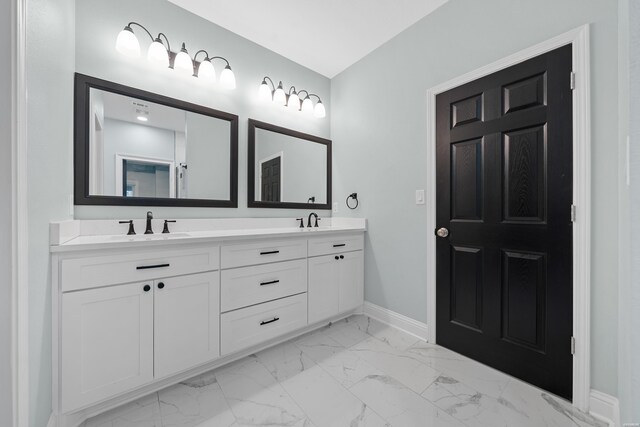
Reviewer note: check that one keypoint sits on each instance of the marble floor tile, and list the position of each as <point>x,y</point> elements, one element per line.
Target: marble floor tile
<point>410,372</point>
<point>399,405</point>
<point>256,398</point>
<point>476,375</point>
<point>342,364</point>
<point>144,412</point>
<point>327,402</point>
<point>194,402</point>
<point>394,337</point>
<point>355,372</point>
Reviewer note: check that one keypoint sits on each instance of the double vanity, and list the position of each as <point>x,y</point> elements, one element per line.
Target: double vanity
<point>133,314</point>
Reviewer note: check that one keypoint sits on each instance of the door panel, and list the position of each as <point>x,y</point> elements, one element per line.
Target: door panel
<point>351,280</point>
<point>324,288</point>
<point>504,192</point>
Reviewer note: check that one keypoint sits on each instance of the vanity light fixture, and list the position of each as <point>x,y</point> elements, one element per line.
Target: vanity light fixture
<point>293,99</point>
<point>162,56</point>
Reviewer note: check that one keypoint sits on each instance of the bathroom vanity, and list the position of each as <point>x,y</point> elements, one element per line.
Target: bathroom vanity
<point>133,314</point>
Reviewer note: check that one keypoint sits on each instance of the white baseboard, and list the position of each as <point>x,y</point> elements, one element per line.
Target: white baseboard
<point>604,407</point>
<point>396,320</point>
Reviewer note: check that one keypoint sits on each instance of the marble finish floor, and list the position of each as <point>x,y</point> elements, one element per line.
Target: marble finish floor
<point>356,372</point>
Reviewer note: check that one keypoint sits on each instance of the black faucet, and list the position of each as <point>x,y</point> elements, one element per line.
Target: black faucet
<point>149,230</point>
<point>309,219</point>
<point>131,229</point>
<point>165,230</point>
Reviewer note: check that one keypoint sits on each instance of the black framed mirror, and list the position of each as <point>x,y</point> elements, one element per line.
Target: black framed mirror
<point>137,148</point>
<point>287,168</point>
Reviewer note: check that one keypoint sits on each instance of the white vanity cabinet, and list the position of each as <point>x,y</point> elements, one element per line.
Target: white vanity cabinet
<point>336,280</point>
<point>131,319</point>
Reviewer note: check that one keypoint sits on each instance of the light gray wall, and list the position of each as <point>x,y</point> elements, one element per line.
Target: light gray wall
<point>208,152</point>
<point>97,25</point>
<point>50,63</point>
<point>379,131</point>
<point>304,166</point>
<point>129,138</point>
<point>5,214</point>
<point>630,287</point>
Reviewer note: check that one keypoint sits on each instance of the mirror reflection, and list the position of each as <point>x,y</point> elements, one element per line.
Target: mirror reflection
<point>290,169</point>
<point>141,149</point>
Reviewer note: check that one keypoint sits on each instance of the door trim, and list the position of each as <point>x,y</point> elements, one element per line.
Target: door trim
<point>19,221</point>
<point>579,39</point>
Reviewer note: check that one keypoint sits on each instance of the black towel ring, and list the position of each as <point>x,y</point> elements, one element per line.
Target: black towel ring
<point>353,196</point>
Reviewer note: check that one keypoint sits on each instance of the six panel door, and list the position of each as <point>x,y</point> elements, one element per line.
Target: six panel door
<point>504,192</point>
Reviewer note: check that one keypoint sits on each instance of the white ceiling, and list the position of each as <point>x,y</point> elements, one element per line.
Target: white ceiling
<point>326,36</point>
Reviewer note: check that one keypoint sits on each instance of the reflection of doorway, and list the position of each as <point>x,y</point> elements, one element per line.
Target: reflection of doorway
<point>138,176</point>
<point>270,176</point>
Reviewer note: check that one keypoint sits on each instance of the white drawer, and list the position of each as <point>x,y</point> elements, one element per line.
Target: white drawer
<point>241,287</point>
<point>91,272</point>
<point>335,244</point>
<point>262,252</point>
<point>252,325</point>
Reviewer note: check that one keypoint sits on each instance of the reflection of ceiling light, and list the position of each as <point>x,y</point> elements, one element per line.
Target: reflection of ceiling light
<point>142,118</point>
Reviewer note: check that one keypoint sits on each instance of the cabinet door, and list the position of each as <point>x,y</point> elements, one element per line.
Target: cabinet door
<point>351,279</point>
<point>324,287</point>
<point>107,342</point>
<point>187,317</point>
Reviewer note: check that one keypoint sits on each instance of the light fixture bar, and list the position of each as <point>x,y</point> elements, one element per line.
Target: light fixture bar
<point>162,56</point>
<point>292,98</point>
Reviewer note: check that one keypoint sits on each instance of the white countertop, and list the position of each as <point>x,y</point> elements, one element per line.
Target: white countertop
<point>82,235</point>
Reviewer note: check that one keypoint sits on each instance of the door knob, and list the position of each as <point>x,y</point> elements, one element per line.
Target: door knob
<point>442,232</point>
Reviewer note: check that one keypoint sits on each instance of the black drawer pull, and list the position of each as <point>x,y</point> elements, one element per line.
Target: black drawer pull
<point>146,288</point>
<point>266,322</point>
<point>340,245</point>
<point>337,257</point>
<point>269,252</point>
<point>147,267</point>
<point>273,282</point>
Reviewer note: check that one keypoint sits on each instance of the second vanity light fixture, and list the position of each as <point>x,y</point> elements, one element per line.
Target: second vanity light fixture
<point>295,100</point>
<point>162,56</point>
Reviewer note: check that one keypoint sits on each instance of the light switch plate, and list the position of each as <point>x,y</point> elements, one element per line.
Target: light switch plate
<point>419,197</point>
<point>335,207</point>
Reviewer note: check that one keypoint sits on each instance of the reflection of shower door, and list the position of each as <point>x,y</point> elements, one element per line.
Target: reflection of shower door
<point>138,176</point>
<point>270,180</point>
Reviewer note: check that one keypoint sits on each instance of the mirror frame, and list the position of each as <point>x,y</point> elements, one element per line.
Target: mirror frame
<point>83,85</point>
<point>251,202</point>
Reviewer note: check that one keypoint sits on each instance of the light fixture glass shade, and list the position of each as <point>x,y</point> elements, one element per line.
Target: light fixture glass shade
<point>158,55</point>
<point>207,72</point>
<point>227,78</point>
<point>127,43</point>
<point>264,92</point>
<point>183,62</point>
<point>279,97</point>
<point>319,110</point>
<point>294,102</point>
<point>307,105</point>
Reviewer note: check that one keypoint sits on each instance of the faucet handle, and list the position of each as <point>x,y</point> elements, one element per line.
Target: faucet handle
<point>165,230</point>
<point>149,215</point>
<point>131,230</point>
<point>301,222</point>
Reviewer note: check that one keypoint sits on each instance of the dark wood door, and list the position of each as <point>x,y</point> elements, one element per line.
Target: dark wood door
<point>271,180</point>
<point>504,193</point>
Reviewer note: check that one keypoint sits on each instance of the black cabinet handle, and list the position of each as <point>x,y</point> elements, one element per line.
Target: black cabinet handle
<point>269,252</point>
<point>340,245</point>
<point>273,282</point>
<point>337,257</point>
<point>147,267</point>
<point>160,285</point>
<point>341,256</point>
<point>266,322</point>
<point>146,288</point>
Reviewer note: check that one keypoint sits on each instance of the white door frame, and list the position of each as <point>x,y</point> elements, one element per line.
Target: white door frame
<point>579,39</point>
<point>120,157</point>
<point>20,234</point>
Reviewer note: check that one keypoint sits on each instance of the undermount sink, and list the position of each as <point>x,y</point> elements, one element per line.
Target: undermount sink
<point>144,237</point>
